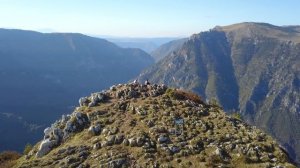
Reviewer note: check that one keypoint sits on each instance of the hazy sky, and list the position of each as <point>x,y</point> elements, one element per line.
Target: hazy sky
<point>142,18</point>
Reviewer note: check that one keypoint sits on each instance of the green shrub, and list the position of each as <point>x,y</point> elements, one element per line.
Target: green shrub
<point>214,102</point>
<point>170,92</point>
<point>237,116</point>
<point>184,95</point>
<point>73,119</point>
<point>27,148</point>
<point>213,161</point>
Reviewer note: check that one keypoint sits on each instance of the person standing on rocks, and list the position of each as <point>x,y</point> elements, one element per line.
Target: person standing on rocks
<point>147,82</point>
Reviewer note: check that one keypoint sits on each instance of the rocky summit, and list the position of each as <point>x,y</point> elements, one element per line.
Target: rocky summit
<point>137,125</point>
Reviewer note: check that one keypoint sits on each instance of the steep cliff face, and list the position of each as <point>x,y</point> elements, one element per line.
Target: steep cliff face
<point>134,125</point>
<point>253,68</point>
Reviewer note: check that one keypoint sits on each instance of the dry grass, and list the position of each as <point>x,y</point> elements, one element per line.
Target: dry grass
<point>8,158</point>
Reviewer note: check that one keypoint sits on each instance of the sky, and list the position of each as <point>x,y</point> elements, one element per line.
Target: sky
<point>142,18</point>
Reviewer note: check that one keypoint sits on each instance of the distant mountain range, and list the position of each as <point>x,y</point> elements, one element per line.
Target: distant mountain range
<point>43,75</point>
<point>167,48</point>
<point>251,68</point>
<point>146,44</point>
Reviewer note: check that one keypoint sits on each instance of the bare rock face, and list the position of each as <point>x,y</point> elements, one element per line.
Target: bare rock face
<point>139,125</point>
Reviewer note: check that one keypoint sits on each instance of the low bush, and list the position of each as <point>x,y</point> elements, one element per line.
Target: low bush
<point>213,161</point>
<point>27,148</point>
<point>237,116</point>
<point>184,95</point>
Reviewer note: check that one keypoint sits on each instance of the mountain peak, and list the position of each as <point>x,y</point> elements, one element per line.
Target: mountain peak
<point>152,125</point>
<point>250,29</point>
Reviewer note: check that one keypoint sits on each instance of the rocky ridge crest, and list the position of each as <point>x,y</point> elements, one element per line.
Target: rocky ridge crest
<point>136,125</point>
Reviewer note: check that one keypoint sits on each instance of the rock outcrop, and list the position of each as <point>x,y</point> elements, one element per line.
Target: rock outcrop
<point>152,126</point>
<point>61,130</point>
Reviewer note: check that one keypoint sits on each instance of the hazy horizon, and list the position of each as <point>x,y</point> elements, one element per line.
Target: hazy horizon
<point>96,35</point>
<point>147,19</point>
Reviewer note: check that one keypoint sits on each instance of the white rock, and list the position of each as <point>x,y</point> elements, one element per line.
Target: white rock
<point>97,146</point>
<point>174,149</point>
<point>94,130</point>
<point>65,118</point>
<point>47,130</point>
<point>162,139</point>
<point>83,101</point>
<point>45,147</point>
<point>217,151</point>
<point>132,142</point>
<point>105,131</point>
<point>113,88</point>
